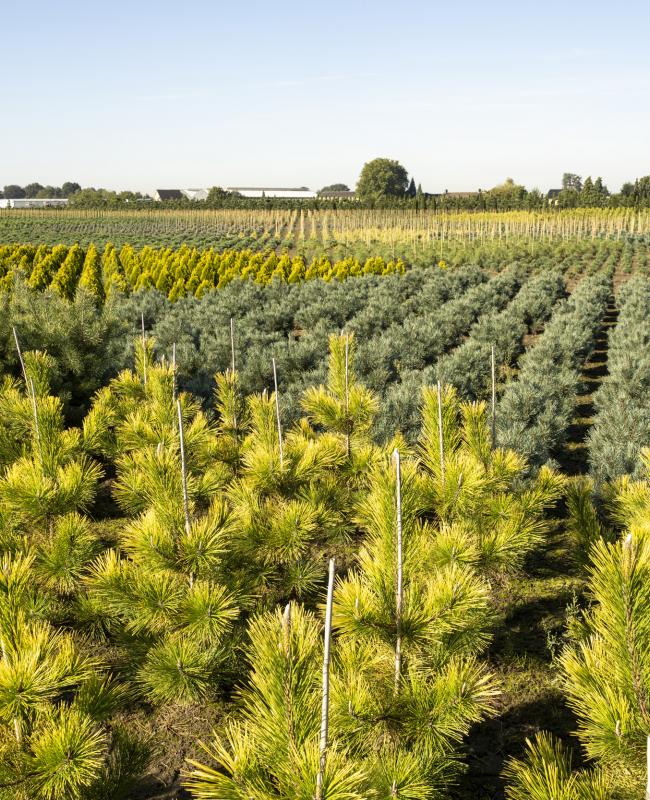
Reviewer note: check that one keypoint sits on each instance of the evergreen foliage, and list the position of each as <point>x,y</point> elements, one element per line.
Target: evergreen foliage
<point>82,340</point>
<point>622,424</point>
<point>174,273</point>
<point>546,774</point>
<point>395,723</point>
<point>468,367</point>
<point>211,576</point>
<point>535,411</point>
<point>605,665</point>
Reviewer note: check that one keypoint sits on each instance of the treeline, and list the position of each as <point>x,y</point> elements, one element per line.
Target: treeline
<point>508,196</point>
<point>82,198</point>
<point>33,190</point>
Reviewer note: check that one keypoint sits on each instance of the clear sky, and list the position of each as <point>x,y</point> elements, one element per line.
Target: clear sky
<point>145,95</point>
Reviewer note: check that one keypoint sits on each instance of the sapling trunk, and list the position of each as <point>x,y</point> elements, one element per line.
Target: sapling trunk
<point>277,413</point>
<point>399,592</point>
<point>20,356</point>
<point>324,721</point>
<point>186,505</point>
<point>494,401</point>
<point>440,435</point>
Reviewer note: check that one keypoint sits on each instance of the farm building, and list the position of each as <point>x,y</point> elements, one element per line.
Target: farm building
<point>458,195</point>
<point>162,195</point>
<point>552,196</point>
<point>301,193</point>
<point>34,202</point>
<point>337,195</point>
<point>195,194</point>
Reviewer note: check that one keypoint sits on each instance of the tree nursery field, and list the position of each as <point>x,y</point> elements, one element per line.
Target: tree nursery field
<point>324,505</point>
<point>347,231</point>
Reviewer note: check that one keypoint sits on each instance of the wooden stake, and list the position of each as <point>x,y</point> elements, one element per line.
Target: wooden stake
<point>20,356</point>
<point>144,352</point>
<point>347,396</point>
<point>494,401</point>
<point>440,435</point>
<point>37,430</point>
<point>277,413</point>
<point>174,371</point>
<point>398,598</point>
<point>186,504</point>
<point>17,731</point>
<point>232,345</point>
<point>324,720</point>
<point>286,627</point>
<point>232,371</point>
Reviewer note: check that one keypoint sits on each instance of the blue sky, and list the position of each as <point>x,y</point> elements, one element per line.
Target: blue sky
<point>146,95</point>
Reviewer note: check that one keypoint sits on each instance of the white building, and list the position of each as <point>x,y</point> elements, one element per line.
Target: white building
<point>34,202</point>
<point>195,194</point>
<point>301,193</point>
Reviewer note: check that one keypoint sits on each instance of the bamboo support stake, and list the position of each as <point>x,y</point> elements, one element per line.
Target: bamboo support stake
<point>286,628</point>
<point>186,504</point>
<point>232,372</point>
<point>37,430</point>
<point>494,401</point>
<point>440,435</point>
<point>324,720</point>
<point>647,790</point>
<point>20,356</point>
<point>347,395</point>
<point>277,413</point>
<point>232,345</point>
<point>399,591</point>
<point>174,371</point>
<point>144,352</point>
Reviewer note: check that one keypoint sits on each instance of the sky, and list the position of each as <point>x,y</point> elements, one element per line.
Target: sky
<point>142,95</point>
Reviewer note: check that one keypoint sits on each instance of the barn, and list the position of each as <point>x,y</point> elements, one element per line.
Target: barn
<point>164,195</point>
<point>34,202</point>
<point>337,195</point>
<point>283,193</point>
<point>195,194</point>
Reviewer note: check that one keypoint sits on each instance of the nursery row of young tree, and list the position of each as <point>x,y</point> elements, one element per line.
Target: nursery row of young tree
<point>404,325</point>
<point>322,599</point>
<point>231,511</point>
<point>622,423</point>
<point>176,273</point>
<point>183,271</point>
